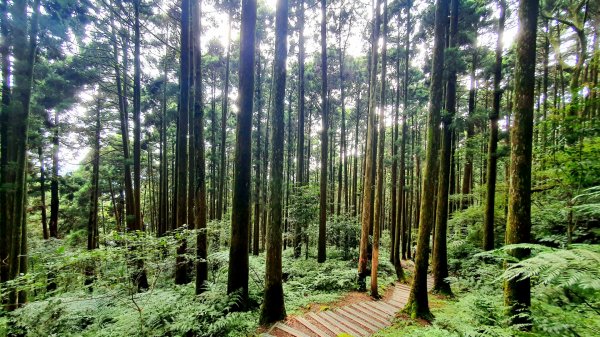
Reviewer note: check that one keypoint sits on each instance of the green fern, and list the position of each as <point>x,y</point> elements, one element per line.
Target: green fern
<point>578,266</point>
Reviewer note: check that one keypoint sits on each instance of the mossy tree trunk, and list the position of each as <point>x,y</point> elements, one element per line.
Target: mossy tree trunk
<point>273,308</point>
<point>367,205</point>
<point>15,125</point>
<point>517,296</point>
<point>418,304</point>
<point>440,254</point>
<point>492,158</point>
<point>379,195</point>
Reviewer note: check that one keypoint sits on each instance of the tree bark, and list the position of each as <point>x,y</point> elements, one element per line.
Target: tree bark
<point>418,305</point>
<point>301,177</point>
<point>322,243</point>
<point>137,221</point>
<point>517,296</point>
<point>440,254</point>
<point>54,188</point>
<point>273,308</point>
<point>257,179</point>
<point>200,183</point>
<point>181,276</point>
<point>379,196</point>
<point>220,209</point>
<point>492,159</point>
<point>45,233</point>
<point>12,222</point>
<point>240,218</point>
<point>367,206</point>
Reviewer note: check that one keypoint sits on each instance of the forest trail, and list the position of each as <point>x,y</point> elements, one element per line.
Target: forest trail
<point>362,318</point>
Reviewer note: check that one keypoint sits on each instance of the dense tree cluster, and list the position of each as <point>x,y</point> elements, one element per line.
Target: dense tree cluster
<point>254,128</point>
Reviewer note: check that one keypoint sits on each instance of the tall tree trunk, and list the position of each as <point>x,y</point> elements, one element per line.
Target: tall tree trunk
<point>92,229</point>
<point>401,240</point>
<point>13,226</point>
<point>301,177</point>
<point>200,183</point>
<point>5,198</point>
<point>224,111</point>
<point>440,254</point>
<point>367,206</point>
<point>288,179</point>
<point>322,243</point>
<point>257,179</point>
<point>467,181</point>
<point>43,191</point>
<point>213,148</point>
<point>121,84</point>
<point>240,218</point>
<point>163,199</point>
<point>265,185</point>
<point>418,305</point>
<point>273,308</point>
<point>492,159</point>
<point>395,212</point>
<point>54,189</point>
<point>181,275</point>
<point>356,156</point>
<point>137,221</point>
<point>517,296</point>
<point>379,195</point>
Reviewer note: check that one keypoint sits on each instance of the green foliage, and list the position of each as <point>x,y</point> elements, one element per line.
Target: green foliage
<point>575,267</point>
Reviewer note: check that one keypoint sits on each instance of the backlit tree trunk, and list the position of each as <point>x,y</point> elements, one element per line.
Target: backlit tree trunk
<point>367,205</point>
<point>492,159</point>
<point>440,254</point>
<point>240,218</point>
<point>322,243</point>
<point>273,308</point>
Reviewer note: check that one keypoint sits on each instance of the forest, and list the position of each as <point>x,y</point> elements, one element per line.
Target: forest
<point>283,168</point>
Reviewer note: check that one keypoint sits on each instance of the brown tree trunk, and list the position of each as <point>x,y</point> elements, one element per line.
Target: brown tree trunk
<point>492,159</point>
<point>240,217</point>
<point>467,181</point>
<point>13,226</point>
<point>301,177</point>
<point>43,192</point>
<point>257,179</point>
<point>367,205</point>
<point>379,196</point>
<point>273,308</point>
<point>181,206</point>
<point>418,305</point>
<point>200,183</point>
<point>5,198</point>
<point>517,296</point>
<point>322,243</point>
<point>54,189</point>
<point>137,221</point>
<point>401,240</point>
<point>440,254</point>
<point>220,209</point>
